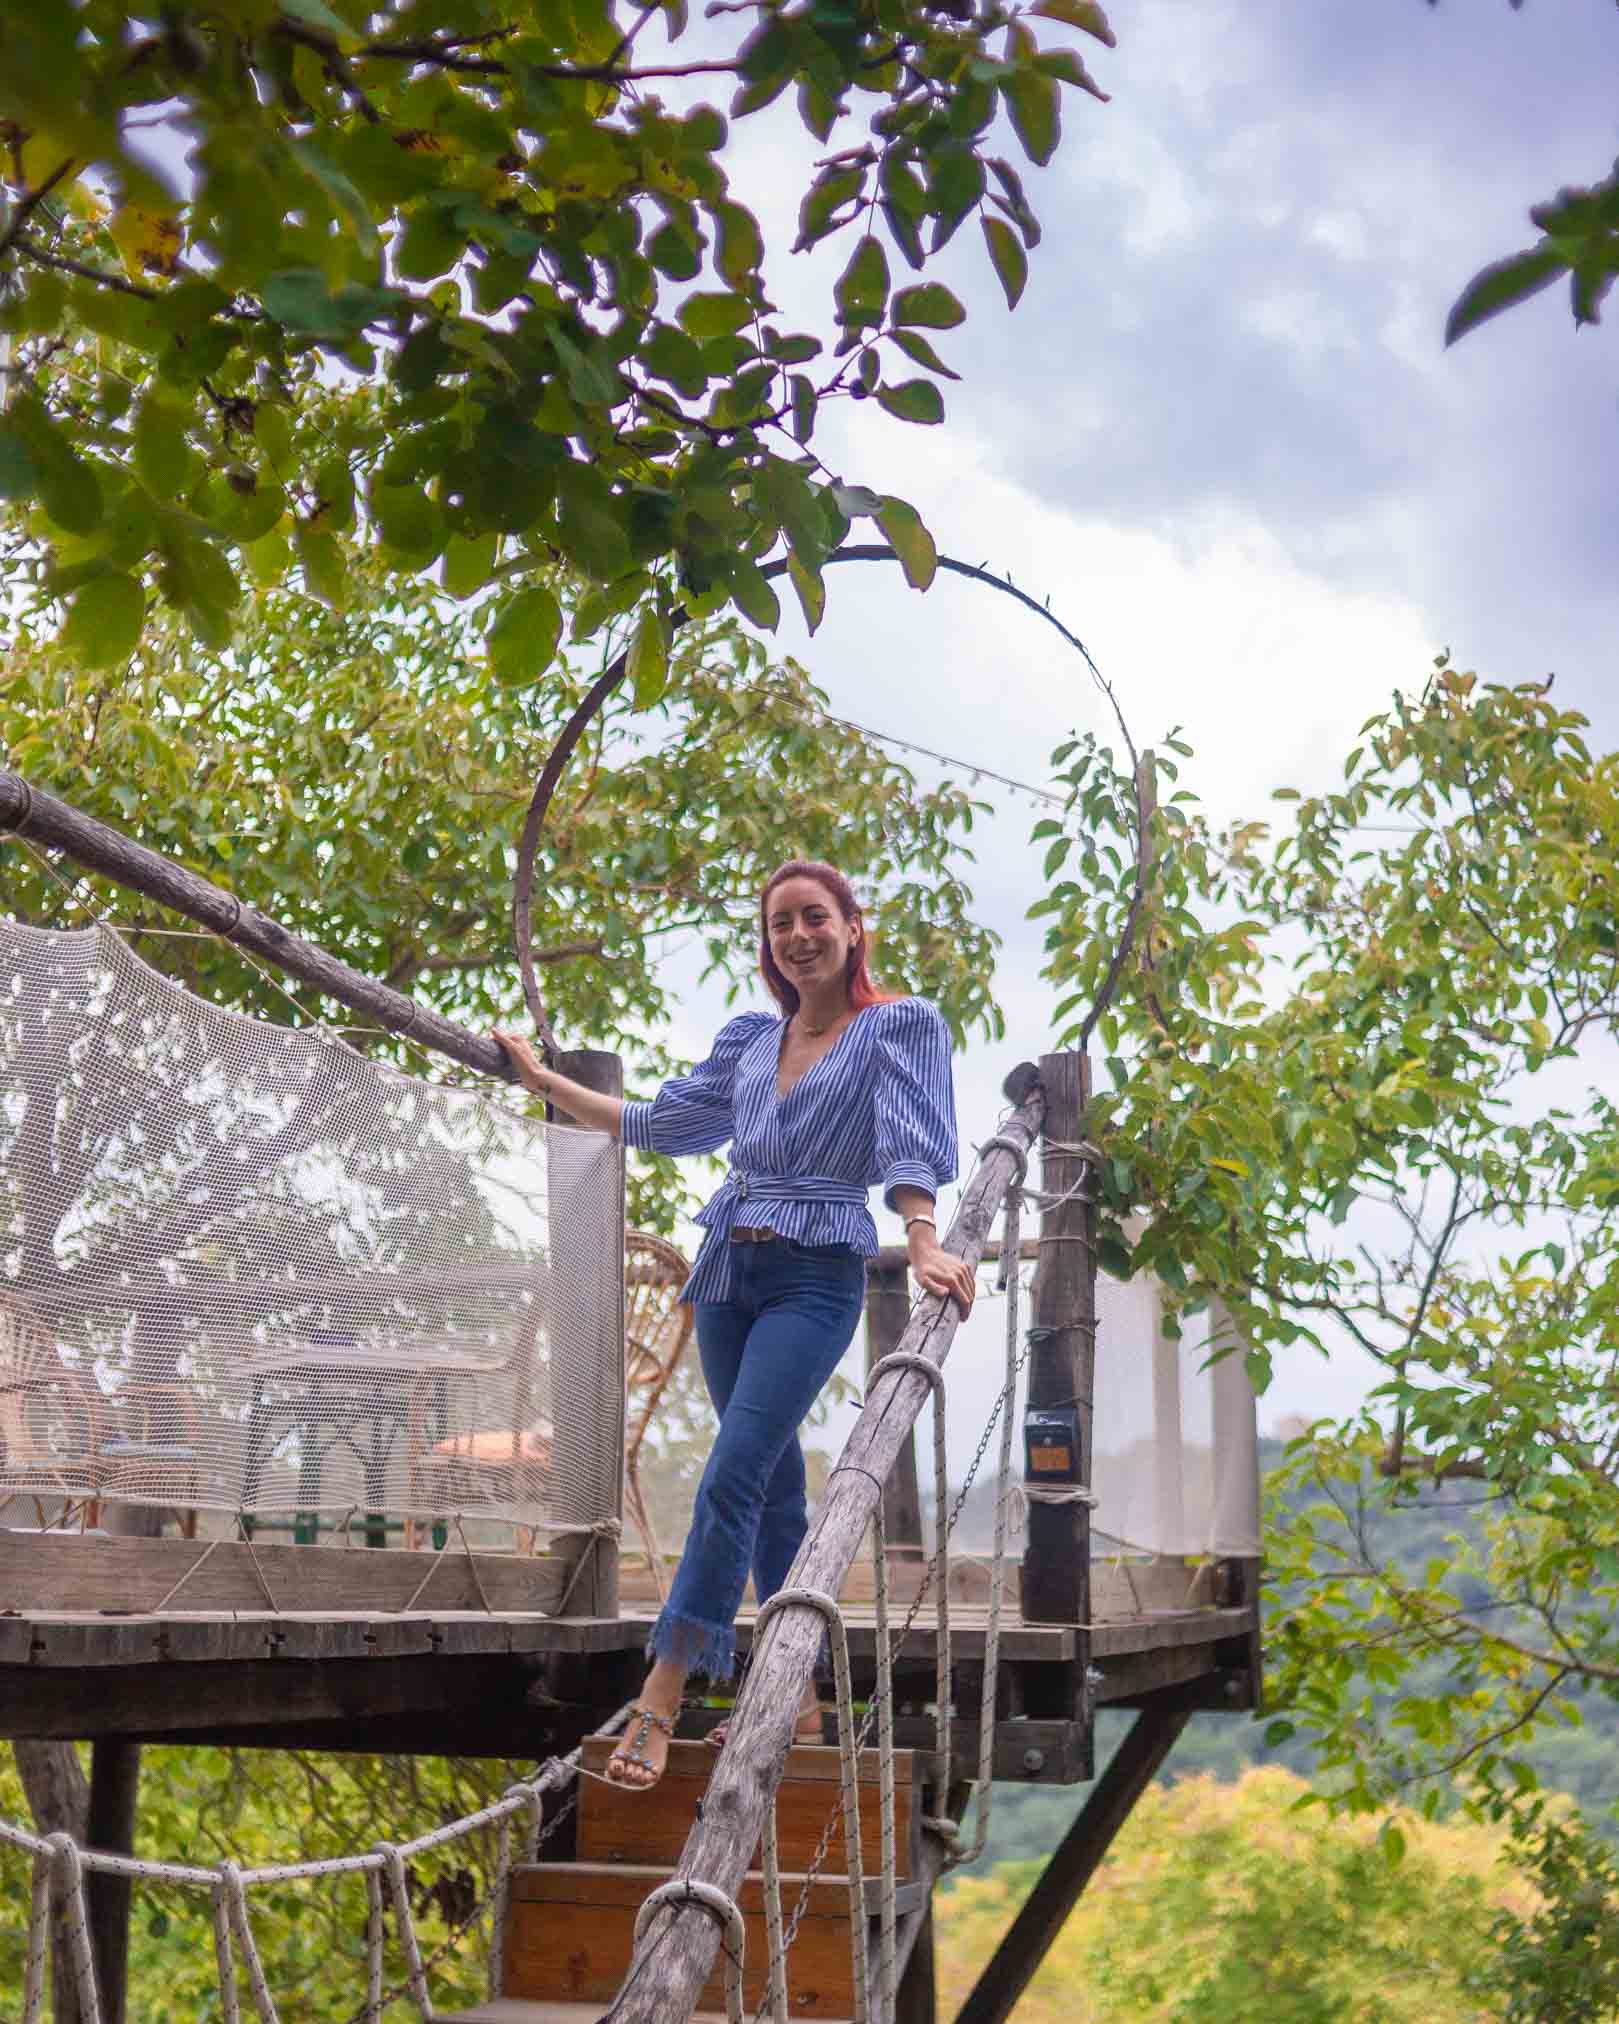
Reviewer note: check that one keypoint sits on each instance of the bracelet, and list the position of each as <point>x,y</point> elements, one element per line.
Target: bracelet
<point>909,1220</point>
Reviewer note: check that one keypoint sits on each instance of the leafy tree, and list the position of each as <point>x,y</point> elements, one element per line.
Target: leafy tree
<point>361,775</point>
<point>516,225</point>
<point>1219,1904</point>
<point>1360,1090</point>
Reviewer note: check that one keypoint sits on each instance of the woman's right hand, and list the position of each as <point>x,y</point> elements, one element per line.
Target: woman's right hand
<point>531,1071</point>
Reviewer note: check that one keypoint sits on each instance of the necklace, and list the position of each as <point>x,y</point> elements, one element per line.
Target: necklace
<point>815,1032</point>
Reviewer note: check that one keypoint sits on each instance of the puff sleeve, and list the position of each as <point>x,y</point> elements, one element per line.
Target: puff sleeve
<point>693,1113</point>
<point>916,1101</point>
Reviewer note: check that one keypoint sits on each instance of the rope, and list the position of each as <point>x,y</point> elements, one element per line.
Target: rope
<point>38,1941</point>
<point>59,1866</point>
<point>373,1946</point>
<point>848,1746</point>
<point>158,1608</point>
<point>688,1891</point>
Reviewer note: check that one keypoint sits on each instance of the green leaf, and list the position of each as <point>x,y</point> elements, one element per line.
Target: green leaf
<point>18,478</point>
<point>754,597</point>
<point>1502,284</point>
<point>929,303</point>
<point>590,527</point>
<point>705,316</point>
<point>163,457</point>
<point>1084,15</point>
<point>913,401</point>
<point>469,562</point>
<point>104,622</point>
<point>524,637</point>
<point>341,191</point>
<point>324,566</point>
<point>589,383</point>
<point>909,539</point>
<point>1010,260</point>
<point>805,403</point>
<point>1113,1255</point>
<point>917,347</point>
<point>648,664</point>
<point>1035,106</point>
<point>862,288</point>
<point>316,14</point>
<point>741,248</point>
<point>408,521</point>
<point>811,590</point>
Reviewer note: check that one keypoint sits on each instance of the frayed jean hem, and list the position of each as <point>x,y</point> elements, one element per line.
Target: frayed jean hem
<point>698,1647</point>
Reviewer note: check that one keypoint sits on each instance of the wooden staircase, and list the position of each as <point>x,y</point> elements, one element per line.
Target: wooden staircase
<point>570,1926</point>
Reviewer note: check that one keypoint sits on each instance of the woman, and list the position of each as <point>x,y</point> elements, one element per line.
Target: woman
<point>847,1087</point>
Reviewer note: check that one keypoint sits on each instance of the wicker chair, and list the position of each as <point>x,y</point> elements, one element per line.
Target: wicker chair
<point>657,1327</point>
<point>50,1420</point>
<point>511,1465</point>
<point>154,1455</point>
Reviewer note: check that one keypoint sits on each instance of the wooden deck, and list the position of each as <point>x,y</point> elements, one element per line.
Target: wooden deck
<point>518,1682</point>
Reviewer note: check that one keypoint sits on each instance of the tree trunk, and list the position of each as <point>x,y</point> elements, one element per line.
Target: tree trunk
<point>58,1796</point>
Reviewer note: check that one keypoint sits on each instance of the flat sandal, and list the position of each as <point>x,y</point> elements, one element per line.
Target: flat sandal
<point>808,1729</point>
<point>632,1749</point>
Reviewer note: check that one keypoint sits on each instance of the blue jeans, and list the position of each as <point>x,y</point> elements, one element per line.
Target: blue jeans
<point>766,1353</point>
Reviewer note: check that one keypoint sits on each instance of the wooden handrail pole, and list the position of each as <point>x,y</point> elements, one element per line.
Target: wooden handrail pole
<point>676,1954</point>
<point>30,812</point>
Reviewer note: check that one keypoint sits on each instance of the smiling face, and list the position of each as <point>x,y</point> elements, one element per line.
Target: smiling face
<point>810,940</point>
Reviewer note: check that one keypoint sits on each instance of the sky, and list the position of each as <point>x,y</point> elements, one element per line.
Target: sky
<point>1223,433</point>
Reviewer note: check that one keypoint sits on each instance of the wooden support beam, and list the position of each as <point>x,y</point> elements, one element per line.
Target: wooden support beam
<point>685,1937</point>
<point>30,812</point>
<point>916,2000</point>
<point>588,1316</point>
<point>1056,1560</point>
<point>115,1775</point>
<point>888,1309</point>
<point>1130,1771</point>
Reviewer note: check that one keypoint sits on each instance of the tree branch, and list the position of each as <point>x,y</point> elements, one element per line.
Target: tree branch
<point>30,249</point>
<point>27,204</point>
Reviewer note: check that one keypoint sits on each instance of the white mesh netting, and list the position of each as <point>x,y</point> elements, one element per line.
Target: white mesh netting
<point>245,1269</point>
<point>1174,1460</point>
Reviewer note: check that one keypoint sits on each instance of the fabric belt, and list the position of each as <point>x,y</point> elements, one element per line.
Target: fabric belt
<point>743,1187</point>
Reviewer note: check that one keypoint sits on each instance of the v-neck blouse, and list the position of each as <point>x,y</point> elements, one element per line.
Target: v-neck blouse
<point>878,1106</point>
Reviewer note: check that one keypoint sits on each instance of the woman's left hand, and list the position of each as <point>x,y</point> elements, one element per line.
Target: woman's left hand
<point>940,1271</point>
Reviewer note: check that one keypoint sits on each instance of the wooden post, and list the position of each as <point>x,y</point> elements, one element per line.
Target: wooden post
<point>588,1306</point>
<point>115,1775</point>
<point>30,812</point>
<point>888,1309</point>
<point>683,1939</point>
<point>1134,1765</point>
<point>1057,1558</point>
<point>916,1999</point>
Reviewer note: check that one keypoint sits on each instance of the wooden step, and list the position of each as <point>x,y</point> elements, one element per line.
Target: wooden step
<point>571,1925</point>
<point>617,1824</point>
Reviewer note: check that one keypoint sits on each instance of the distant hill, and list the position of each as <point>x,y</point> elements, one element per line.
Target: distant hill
<point>1028,1820</point>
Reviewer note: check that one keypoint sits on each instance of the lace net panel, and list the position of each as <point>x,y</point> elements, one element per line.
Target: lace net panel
<point>1174,1459</point>
<point>243,1268</point>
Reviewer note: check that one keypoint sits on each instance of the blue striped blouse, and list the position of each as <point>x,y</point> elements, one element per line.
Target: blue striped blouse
<point>879,1105</point>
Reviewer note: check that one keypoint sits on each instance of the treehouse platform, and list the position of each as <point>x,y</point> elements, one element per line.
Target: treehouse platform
<point>324,1392</point>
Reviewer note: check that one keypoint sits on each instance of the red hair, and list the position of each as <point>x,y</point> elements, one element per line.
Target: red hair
<point>863,990</point>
